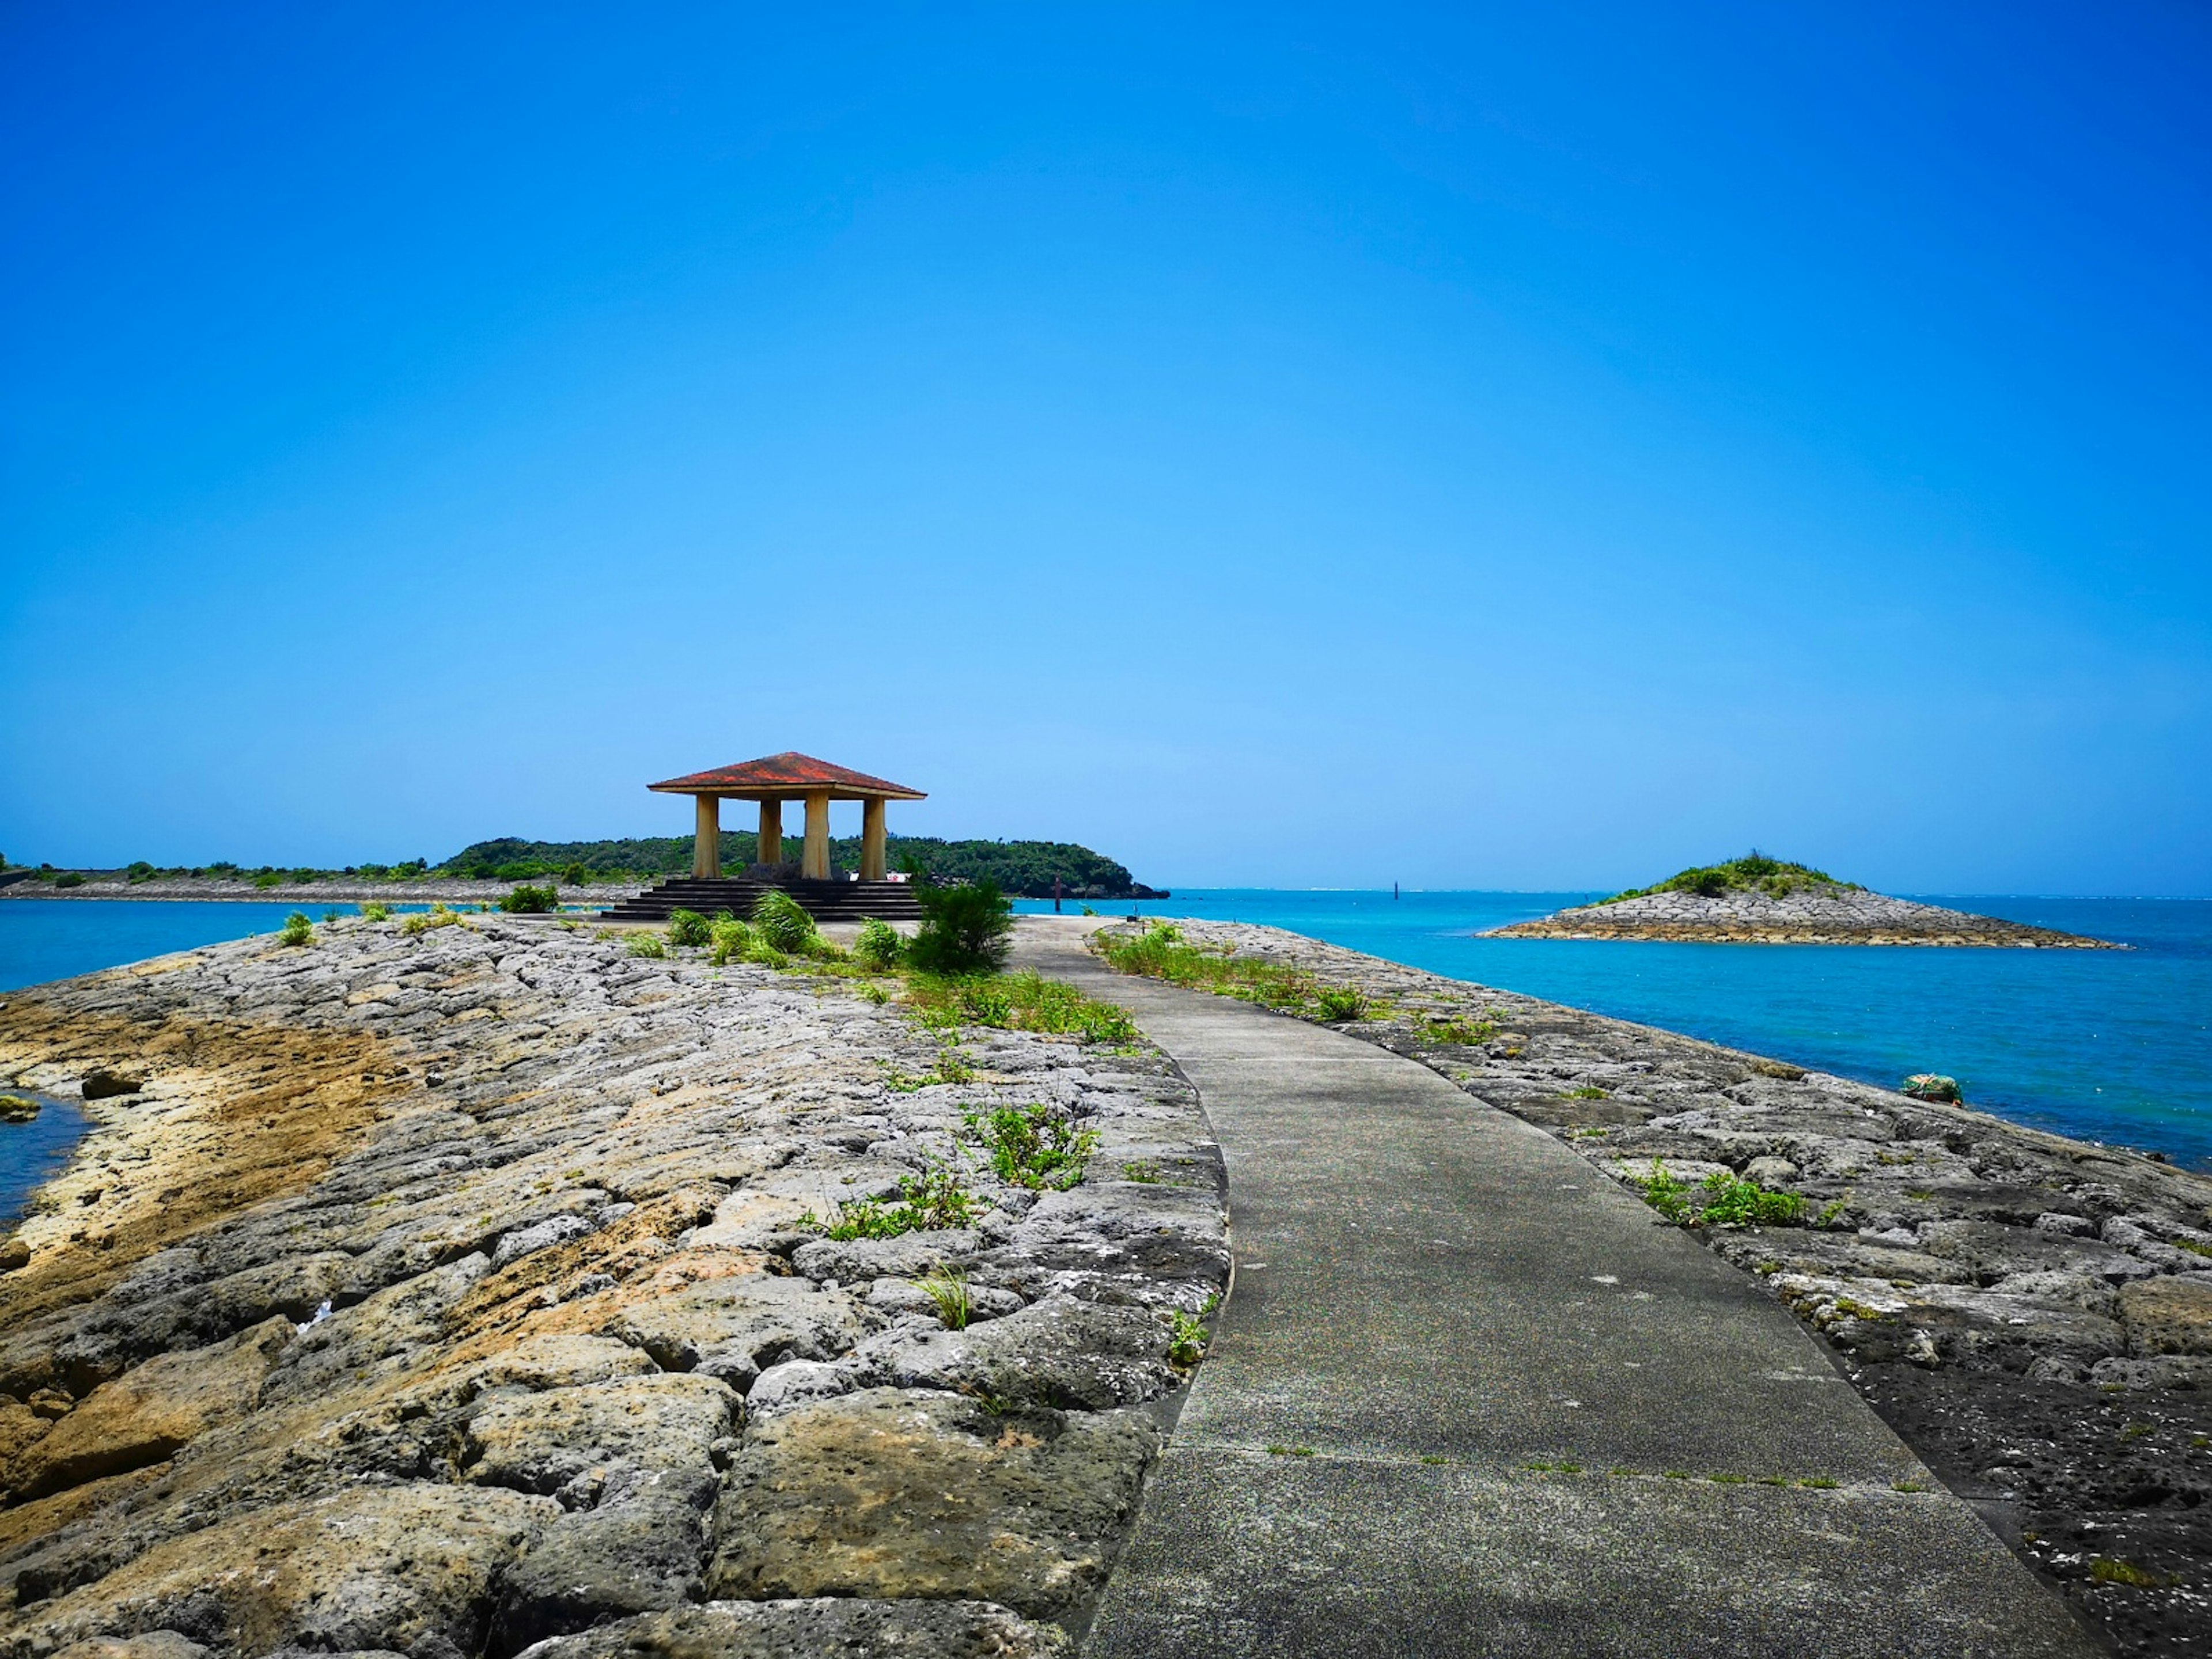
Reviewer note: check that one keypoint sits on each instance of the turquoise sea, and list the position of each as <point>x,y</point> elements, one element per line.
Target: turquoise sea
<point>2103,1045</point>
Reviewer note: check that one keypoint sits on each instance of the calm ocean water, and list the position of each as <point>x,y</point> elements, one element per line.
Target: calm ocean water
<point>2102,1045</point>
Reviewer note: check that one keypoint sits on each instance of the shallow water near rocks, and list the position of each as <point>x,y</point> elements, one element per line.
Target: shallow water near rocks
<point>2103,1045</point>
<point>2114,1046</point>
<point>29,1152</point>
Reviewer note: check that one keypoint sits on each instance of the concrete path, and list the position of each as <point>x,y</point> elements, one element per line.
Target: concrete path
<point>1431,1296</point>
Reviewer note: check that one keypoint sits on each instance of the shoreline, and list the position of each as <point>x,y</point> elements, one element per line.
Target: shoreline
<point>2032,1314</point>
<point>320,892</point>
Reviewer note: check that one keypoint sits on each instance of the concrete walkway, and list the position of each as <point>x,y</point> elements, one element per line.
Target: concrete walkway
<point>1431,1297</point>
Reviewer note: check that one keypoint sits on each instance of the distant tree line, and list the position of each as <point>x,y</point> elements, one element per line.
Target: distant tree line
<point>1025,868</point>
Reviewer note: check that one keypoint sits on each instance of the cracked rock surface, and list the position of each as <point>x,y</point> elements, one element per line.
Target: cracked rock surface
<point>2033,1315</point>
<point>445,1295</point>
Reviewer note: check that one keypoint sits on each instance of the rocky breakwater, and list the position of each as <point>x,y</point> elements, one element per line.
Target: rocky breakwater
<point>1807,915</point>
<point>450,1292</point>
<point>2034,1314</point>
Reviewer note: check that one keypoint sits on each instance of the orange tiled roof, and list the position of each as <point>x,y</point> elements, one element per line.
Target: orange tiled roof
<point>788,773</point>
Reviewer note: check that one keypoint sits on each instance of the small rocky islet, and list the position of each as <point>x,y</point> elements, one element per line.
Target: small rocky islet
<point>1756,900</point>
<point>447,1290</point>
<point>2033,1315</point>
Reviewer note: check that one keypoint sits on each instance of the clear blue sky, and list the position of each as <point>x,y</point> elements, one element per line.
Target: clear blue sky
<point>1532,447</point>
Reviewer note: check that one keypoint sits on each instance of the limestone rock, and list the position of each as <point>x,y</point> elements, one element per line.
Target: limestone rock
<point>2168,1315</point>
<point>900,1493</point>
<point>406,1568</point>
<point>576,1442</point>
<point>1059,1352</point>
<point>812,1628</point>
<point>154,1645</point>
<point>412,1309</point>
<point>145,1415</point>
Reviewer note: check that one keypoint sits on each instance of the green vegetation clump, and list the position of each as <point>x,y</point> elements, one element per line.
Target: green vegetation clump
<point>1340,1002</point>
<point>1721,1199</point>
<point>1160,952</point>
<point>1033,1146</point>
<point>879,946</point>
<point>968,929</point>
<point>947,1290</point>
<point>1186,1339</point>
<point>732,939</point>
<point>645,944</point>
<point>927,1203</point>
<point>423,920</point>
<point>783,925</point>
<point>1014,1002</point>
<point>689,927</point>
<point>530,901</point>
<point>376,910</point>
<point>2110,1570</point>
<point>68,878</point>
<point>1753,872</point>
<point>297,930</point>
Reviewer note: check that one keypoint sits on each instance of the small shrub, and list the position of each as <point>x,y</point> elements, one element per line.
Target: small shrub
<point>1144,1172</point>
<point>927,1203</point>
<point>1733,1202</point>
<point>1340,1002</point>
<point>1588,1092</point>
<point>645,944</point>
<point>575,875</point>
<point>267,879</point>
<point>968,929</point>
<point>530,901</point>
<point>879,946</point>
<point>731,938</point>
<point>783,924</point>
<point>1186,1339</point>
<point>297,930</point>
<point>1932,1085</point>
<point>1722,1200</point>
<point>436,916</point>
<point>948,1291</point>
<point>1033,1146</point>
<point>688,927</point>
<point>376,910</point>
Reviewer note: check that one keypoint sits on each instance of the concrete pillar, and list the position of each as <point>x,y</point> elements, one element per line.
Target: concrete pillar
<point>771,833</point>
<point>814,865</point>
<point>706,845</point>
<point>871,840</point>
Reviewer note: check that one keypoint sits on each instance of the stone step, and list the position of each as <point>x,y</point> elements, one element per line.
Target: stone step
<point>825,901</point>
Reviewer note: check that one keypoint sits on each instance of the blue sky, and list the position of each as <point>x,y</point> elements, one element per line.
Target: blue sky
<point>1472,448</point>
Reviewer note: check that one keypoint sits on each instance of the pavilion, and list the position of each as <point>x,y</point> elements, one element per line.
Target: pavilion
<point>771,780</point>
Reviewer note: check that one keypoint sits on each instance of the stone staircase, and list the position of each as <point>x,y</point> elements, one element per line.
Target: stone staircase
<point>825,901</point>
